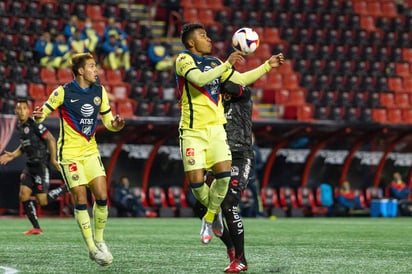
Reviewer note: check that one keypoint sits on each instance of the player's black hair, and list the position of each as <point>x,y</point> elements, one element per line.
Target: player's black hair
<point>187,30</point>
<point>22,100</point>
<point>79,61</point>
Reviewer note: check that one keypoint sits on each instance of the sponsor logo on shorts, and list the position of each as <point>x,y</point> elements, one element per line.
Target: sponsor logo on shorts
<point>72,167</point>
<point>191,162</point>
<point>75,177</point>
<point>190,152</point>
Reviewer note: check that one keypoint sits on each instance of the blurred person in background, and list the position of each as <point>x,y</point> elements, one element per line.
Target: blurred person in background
<point>39,145</point>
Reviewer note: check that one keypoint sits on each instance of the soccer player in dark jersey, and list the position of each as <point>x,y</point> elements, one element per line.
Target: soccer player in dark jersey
<point>39,145</point>
<point>79,103</point>
<point>238,106</point>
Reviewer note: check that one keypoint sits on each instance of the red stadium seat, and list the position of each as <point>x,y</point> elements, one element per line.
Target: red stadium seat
<point>271,36</point>
<point>281,97</point>
<point>287,198</point>
<point>389,9</point>
<point>177,199</point>
<point>402,69</point>
<point>367,22</point>
<point>158,201</point>
<point>407,54</point>
<point>305,113</point>
<point>64,75</point>
<point>394,115</point>
<point>271,203</point>
<point>95,12</point>
<point>360,7</point>
<point>379,115</point>
<point>114,77</point>
<point>387,99</point>
<point>402,100</point>
<point>120,91</point>
<point>126,108</point>
<point>374,8</point>
<point>395,84</point>
<point>48,76</point>
<point>306,200</point>
<point>407,116</point>
<point>37,91</point>
<point>407,84</point>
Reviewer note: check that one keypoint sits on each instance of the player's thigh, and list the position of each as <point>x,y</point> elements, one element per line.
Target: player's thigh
<point>25,192</point>
<point>193,146</point>
<point>218,150</point>
<point>42,199</point>
<point>99,188</point>
<point>73,173</point>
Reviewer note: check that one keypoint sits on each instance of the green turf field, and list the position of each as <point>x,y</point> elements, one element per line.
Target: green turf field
<point>288,245</point>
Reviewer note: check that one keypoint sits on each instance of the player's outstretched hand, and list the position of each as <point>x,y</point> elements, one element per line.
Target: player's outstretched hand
<point>38,113</point>
<point>236,56</point>
<point>118,122</point>
<point>276,60</point>
<point>6,157</point>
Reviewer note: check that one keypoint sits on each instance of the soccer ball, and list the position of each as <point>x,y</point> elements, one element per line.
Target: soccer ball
<point>245,40</point>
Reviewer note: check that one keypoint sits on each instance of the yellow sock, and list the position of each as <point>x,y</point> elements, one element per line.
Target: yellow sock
<point>218,191</point>
<point>202,194</point>
<point>83,220</point>
<point>100,214</point>
<point>209,217</point>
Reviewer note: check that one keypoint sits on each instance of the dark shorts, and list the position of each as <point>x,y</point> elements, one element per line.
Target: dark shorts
<point>36,177</point>
<point>243,165</point>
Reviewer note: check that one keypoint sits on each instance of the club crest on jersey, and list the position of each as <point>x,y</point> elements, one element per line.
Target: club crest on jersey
<point>97,101</point>
<point>190,152</point>
<point>213,64</point>
<point>26,130</point>
<point>191,162</point>
<point>72,167</point>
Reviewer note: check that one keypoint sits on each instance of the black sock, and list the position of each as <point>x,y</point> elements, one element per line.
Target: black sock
<point>30,210</point>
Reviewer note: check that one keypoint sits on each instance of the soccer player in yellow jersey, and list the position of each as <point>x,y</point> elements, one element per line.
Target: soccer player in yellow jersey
<point>79,102</point>
<point>203,141</point>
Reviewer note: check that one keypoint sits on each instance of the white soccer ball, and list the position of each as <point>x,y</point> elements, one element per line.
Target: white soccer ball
<point>245,40</point>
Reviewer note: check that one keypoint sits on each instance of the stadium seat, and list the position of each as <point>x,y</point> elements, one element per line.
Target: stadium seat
<point>305,113</point>
<point>158,201</point>
<point>177,200</point>
<point>270,202</point>
<point>95,12</point>
<point>403,69</point>
<point>407,116</point>
<point>379,115</point>
<point>290,81</point>
<point>114,77</point>
<point>387,99</point>
<point>407,84</point>
<point>287,199</point>
<point>306,200</point>
<point>48,76</point>
<point>206,17</point>
<point>37,91</point>
<point>64,75</point>
<point>395,84</point>
<point>389,9</point>
<point>402,100</point>
<point>374,8</point>
<point>394,115</point>
<point>120,91</point>
<point>281,97</point>
<point>271,35</point>
<point>126,108</point>
<point>368,23</point>
<point>407,54</point>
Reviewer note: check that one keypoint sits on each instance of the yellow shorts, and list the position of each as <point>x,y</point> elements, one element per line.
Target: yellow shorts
<point>203,148</point>
<point>82,172</point>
